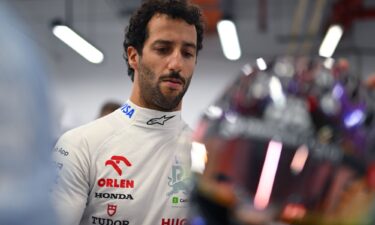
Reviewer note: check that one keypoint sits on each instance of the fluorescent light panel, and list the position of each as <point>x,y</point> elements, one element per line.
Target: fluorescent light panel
<point>276,91</point>
<point>198,157</point>
<point>330,41</point>
<point>229,39</point>
<point>78,44</point>
<point>299,159</point>
<point>261,63</point>
<point>328,63</point>
<point>267,177</point>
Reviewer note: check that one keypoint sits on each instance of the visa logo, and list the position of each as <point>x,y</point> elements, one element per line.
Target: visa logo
<point>127,110</point>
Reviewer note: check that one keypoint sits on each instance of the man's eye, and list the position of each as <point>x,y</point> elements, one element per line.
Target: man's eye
<point>162,50</point>
<point>188,54</point>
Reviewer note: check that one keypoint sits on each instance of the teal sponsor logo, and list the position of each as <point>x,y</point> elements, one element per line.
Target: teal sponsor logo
<point>178,181</point>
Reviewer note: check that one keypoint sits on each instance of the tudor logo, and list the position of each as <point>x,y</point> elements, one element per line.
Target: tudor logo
<point>115,161</point>
<point>160,120</point>
<point>106,221</point>
<point>111,209</point>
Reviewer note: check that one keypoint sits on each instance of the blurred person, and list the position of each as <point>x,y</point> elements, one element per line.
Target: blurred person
<point>108,107</point>
<point>370,82</point>
<point>26,172</point>
<point>286,145</point>
<point>132,166</point>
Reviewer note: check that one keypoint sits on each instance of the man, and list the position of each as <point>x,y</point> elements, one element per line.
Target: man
<point>131,167</point>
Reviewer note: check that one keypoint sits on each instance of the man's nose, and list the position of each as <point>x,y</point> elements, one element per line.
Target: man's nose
<point>175,62</point>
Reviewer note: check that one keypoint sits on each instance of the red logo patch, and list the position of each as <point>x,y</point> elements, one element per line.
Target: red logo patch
<point>115,161</point>
<point>111,209</point>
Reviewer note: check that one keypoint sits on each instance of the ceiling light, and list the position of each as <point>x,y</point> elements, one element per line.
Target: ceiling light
<point>77,43</point>
<point>229,39</point>
<point>267,177</point>
<point>261,63</point>
<point>328,63</point>
<point>198,157</point>
<point>330,41</point>
<point>276,92</point>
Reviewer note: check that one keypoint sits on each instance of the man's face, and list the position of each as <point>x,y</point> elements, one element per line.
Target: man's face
<point>164,70</point>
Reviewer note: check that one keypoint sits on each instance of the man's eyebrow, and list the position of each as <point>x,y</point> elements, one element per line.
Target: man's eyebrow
<point>190,45</point>
<point>162,42</point>
<point>166,42</point>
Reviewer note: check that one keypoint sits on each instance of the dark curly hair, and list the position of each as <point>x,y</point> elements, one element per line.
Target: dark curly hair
<point>136,32</point>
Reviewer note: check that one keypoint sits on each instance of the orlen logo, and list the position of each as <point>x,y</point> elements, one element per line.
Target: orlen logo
<point>173,221</point>
<point>115,161</point>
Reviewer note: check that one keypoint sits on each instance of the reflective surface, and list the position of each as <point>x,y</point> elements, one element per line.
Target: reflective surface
<point>288,141</point>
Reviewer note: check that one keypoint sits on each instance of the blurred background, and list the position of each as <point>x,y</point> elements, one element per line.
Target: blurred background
<point>265,28</point>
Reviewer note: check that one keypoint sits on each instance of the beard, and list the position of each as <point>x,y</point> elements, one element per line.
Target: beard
<point>151,91</point>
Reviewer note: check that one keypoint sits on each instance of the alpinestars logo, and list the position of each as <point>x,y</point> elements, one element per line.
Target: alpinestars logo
<point>115,161</point>
<point>160,120</point>
<point>111,209</point>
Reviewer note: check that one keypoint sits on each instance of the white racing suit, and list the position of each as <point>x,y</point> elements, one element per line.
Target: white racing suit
<point>130,167</point>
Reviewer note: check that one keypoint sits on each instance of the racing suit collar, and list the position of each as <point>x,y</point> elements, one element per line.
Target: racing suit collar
<point>149,117</point>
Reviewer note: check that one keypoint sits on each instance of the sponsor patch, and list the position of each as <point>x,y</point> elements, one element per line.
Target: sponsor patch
<point>61,151</point>
<point>114,196</point>
<point>111,209</point>
<point>160,120</point>
<point>115,162</point>
<point>106,221</point>
<point>115,183</point>
<point>173,221</point>
<point>127,110</point>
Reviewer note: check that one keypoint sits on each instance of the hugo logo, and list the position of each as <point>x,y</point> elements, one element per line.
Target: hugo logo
<point>115,161</point>
<point>173,221</point>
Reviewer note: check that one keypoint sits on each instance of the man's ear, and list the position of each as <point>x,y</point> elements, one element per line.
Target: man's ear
<point>132,57</point>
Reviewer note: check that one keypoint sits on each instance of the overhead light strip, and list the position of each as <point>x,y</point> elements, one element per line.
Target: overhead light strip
<point>78,44</point>
<point>229,39</point>
<point>267,177</point>
<point>330,41</point>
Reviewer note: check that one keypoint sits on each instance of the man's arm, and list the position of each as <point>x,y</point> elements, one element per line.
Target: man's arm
<point>72,182</point>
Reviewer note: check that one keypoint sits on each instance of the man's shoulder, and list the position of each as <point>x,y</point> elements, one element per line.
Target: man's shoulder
<point>186,127</point>
<point>93,131</point>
